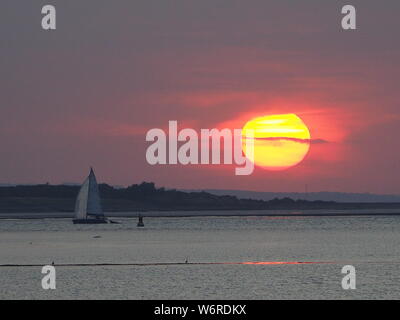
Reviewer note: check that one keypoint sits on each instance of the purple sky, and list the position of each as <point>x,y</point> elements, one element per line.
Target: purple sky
<point>86,94</point>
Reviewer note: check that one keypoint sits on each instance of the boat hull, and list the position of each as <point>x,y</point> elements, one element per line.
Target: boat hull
<point>89,221</point>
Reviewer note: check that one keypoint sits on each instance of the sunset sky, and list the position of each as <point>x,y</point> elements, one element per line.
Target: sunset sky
<point>86,94</point>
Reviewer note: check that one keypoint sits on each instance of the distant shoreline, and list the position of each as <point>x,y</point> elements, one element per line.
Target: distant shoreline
<point>52,201</point>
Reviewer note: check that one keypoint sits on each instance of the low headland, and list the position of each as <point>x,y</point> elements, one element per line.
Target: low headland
<point>45,199</point>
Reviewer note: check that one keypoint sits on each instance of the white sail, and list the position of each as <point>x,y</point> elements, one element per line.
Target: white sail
<point>88,201</point>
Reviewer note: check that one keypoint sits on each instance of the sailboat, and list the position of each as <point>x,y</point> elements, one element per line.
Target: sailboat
<point>88,206</point>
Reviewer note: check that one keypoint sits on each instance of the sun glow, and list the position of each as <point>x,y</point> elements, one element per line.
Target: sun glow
<point>280,141</point>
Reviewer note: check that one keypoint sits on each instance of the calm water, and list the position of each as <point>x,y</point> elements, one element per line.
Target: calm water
<point>370,244</point>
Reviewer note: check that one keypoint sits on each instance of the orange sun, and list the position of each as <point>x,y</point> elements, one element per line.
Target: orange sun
<point>280,141</point>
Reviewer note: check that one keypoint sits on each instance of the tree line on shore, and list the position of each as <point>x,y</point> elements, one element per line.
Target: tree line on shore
<point>146,196</point>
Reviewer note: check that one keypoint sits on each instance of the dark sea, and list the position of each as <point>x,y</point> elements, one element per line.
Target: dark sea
<point>227,258</point>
